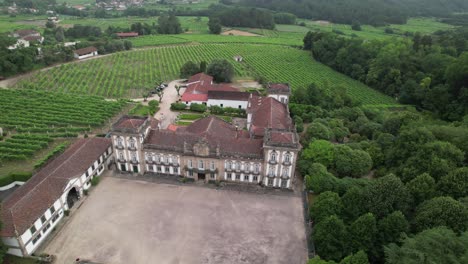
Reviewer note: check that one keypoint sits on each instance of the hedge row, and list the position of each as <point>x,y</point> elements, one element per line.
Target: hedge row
<point>51,154</point>
<point>17,176</point>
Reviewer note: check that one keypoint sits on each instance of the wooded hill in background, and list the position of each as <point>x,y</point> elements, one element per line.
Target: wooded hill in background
<point>372,12</point>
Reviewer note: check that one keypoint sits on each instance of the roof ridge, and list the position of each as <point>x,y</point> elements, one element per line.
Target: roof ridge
<point>47,177</point>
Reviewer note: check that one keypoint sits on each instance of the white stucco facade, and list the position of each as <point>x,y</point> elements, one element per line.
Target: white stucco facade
<point>228,103</point>
<point>25,244</point>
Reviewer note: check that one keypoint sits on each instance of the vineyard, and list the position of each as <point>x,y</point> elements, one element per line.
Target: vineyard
<point>280,38</point>
<point>34,118</point>
<point>127,74</point>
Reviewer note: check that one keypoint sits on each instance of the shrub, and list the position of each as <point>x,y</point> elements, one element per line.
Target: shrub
<point>95,181</point>
<point>178,106</point>
<point>198,107</point>
<point>216,110</point>
<point>153,106</point>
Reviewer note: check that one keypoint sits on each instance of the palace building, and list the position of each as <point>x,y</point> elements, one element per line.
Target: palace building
<point>211,149</point>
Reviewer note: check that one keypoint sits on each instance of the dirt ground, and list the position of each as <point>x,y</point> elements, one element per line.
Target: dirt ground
<point>129,221</point>
<point>235,32</point>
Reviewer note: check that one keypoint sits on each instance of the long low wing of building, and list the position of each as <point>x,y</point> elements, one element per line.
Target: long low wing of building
<point>31,212</point>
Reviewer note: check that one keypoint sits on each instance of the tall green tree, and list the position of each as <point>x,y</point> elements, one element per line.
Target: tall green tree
<point>319,151</point>
<point>392,228</point>
<point>188,69</point>
<point>359,257</point>
<point>221,70</point>
<point>386,195</point>
<point>325,205</point>
<point>330,238</point>
<point>214,25</point>
<point>169,24</point>
<point>437,245</point>
<point>351,162</point>
<point>455,184</point>
<point>441,211</point>
<point>422,188</point>
<point>363,233</point>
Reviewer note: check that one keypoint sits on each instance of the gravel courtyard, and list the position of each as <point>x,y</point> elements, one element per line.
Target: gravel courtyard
<point>128,221</point>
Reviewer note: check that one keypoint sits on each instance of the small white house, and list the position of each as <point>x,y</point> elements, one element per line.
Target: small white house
<point>228,99</point>
<point>238,58</point>
<point>20,43</point>
<point>279,91</point>
<point>85,53</point>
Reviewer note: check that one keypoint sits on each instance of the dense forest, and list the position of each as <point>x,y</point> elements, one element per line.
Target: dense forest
<point>389,185</point>
<point>428,71</point>
<point>244,17</point>
<point>373,12</point>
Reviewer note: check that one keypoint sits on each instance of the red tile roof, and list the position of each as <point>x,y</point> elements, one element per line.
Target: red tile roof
<point>274,88</point>
<point>85,51</point>
<point>26,204</point>
<point>127,34</point>
<point>268,112</point>
<point>217,133</point>
<point>26,32</point>
<point>200,84</point>
<point>228,95</point>
<point>188,97</point>
<point>32,38</point>
<point>200,77</point>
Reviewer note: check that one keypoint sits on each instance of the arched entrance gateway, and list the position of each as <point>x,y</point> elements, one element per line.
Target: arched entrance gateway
<point>72,197</point>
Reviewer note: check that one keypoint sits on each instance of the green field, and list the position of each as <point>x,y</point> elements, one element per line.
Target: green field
<point>190,24</point>
<point>10,24</point>
<point>33,119</point>
<point>423,25</point>
<point>155,40</point>
<point>126,74</point>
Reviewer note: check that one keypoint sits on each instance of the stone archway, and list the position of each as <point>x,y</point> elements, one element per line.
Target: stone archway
<point>72,197</point>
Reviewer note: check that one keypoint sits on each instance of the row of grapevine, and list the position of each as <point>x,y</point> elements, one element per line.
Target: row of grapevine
<point>128,74</point>
<point>34,118</point>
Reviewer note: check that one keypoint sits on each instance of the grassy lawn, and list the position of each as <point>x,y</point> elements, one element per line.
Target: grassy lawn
<point>10,24</point>
<point>139,110</point>
<point>183,123</point>
<point>190,116</point>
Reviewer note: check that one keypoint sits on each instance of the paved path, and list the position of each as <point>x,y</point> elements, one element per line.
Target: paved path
<point>165,115</point>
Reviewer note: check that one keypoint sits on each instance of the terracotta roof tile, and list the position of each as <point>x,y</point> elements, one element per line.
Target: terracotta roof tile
<point>32,199</point>
<point>214,131</point>
<point>127,34</point>
<point>228,95</point>
<point>268,112</point>
<point>283,88</point>
<point>85,51</point>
